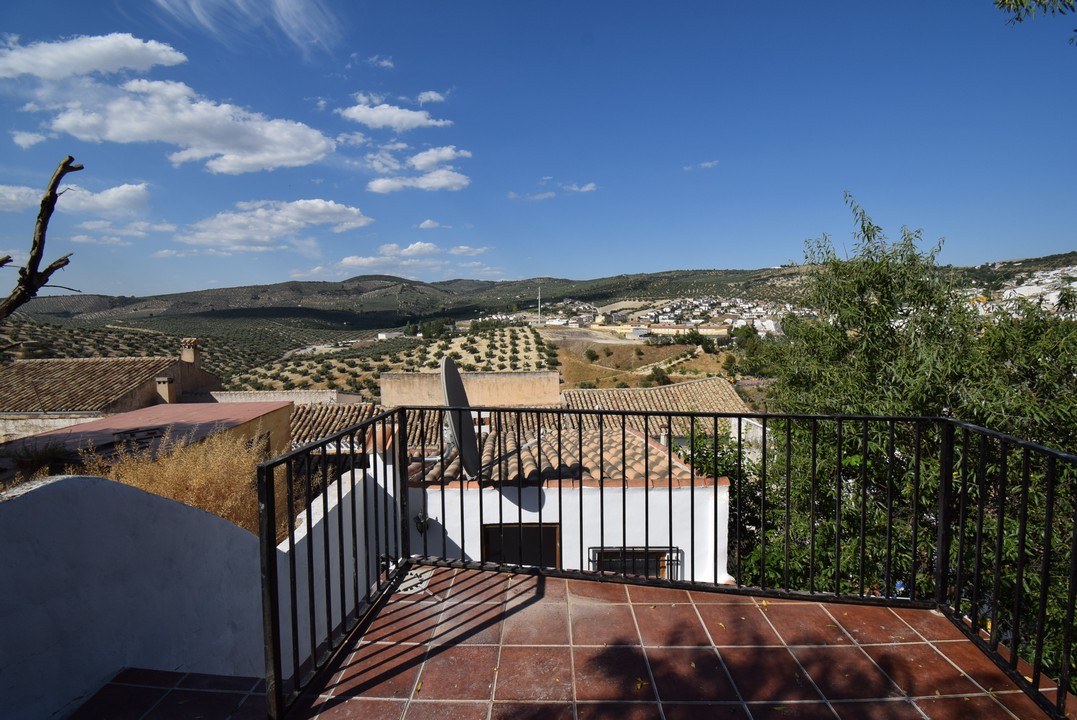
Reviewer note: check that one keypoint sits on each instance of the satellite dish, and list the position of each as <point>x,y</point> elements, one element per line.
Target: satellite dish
<point>461,429</point>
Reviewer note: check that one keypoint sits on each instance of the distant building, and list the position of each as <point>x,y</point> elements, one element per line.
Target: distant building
<point>40,395</point>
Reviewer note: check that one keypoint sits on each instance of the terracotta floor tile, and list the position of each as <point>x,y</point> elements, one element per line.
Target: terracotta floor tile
<point>719,598</point>
<point>805,624</point>
<point>794,710</point>
<point>197,681</point>
<point>379,670</point>
<point>689,674</point>
<point>359,709</point>
<point>479,587</point>
<point>873,625</point>
<point>119,702</point>
<point>602,624</point>
<point>611,673</point>
<point>981,707</point>
<point>589,591</point>
<point>1022,705</point>
<point>526,711</point>
<point>534,673</point>
<point>670,625</point>
<point>976,665</point>
<point>763,674</point>
<point>537,588</point>
<point>436,589</point>
<point>647,594</point>
<point>153,678</point>
<point>920,671</point>
<point>469,624</point>
<point>543,624</point>
<point>737,625</point>
<point>186,704</point>
<point>845,673</point>
<point>618,711</point>
<point>897,709</point>
<point>409,622</point>
<point>463,672</point>
<point>446,710</point>
<point>705,711</point>
<point>930,623</point>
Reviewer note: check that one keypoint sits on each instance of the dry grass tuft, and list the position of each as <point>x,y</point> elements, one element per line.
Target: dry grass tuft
<point>216,475</point>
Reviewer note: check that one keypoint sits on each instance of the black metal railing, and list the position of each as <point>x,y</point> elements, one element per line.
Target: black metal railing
<point>916,512</point>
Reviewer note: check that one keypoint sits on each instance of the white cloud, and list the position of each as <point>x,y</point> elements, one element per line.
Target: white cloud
<point>266,225</point>
<point>382,62</point>
<point>85,55</point>
<point>381,116</point>
<point>99,240</point>
<point>430,96</point>
<point>573,187</point>
<point>467,250</point>
<point>420,248</point>
<point>306,23</point>
<point>429,159</point>
<point>233,139</point>
<point>701,166</point>
<point>439,179</point>
<point>354,139</point>
<point>138,228</point>
<point>534,197</point>
<point>14,198</point>
<point>429,224</point>
<point>27,139</point>
<point>120,200</point>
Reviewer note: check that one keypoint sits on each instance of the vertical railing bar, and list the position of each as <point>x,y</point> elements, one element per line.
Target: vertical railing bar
<point>739,480</point>
<point>293,570</point>
<point>891,460</point>
<point>646,487</point>
<point>1019,584</point>
<point>270,598</point>
<point>579,451</point>
<point>917,439</point>
<point>601,481</point>
<point>1068,626</point>
<point>1045,571</point>
<point>624,489</point>
<point>1003,482</point>
<point>327,560</point>
<point>942,545</point>
<point>403,505</point>
<point>863,540</point>
<point>691,503</point>
<point>380,558</point>
<point>714,496</point>
<point>962,522</point>
<point>811,503</point>
<point>561,474</point>
<point>366,526</point>
<point>541,487</point>
<point>788,496</point>
<point>520,486</point>
<point>491,437</point>
<point>355,518</point>
<point>981,503</point>
<point>669,473</point>
<point>502,468</point>
<point>837,509</point>
<point>311,610</point>
<point>763,508</point>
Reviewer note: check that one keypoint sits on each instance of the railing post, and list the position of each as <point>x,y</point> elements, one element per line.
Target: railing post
<point>946,488</point>
<point>401,442</point>
<point>271,633</point>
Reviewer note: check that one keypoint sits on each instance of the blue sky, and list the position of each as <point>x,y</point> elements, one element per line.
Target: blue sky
<point>235,142</point>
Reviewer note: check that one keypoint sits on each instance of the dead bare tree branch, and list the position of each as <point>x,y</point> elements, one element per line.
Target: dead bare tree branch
<point>31,278</point>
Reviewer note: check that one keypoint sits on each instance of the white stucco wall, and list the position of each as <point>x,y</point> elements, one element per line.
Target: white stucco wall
<point>96,576</point>
<point>628,517</point>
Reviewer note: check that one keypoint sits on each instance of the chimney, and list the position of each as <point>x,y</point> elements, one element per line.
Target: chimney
<point>166,389</point>
<point>190,353</point>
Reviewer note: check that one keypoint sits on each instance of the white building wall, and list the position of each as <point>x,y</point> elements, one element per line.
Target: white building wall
<point>613,517</point>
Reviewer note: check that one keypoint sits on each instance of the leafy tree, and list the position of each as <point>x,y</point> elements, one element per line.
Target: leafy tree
<point>591,355</point>
<point>1022,10</point>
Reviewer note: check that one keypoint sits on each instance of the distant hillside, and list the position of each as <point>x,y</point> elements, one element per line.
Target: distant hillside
<point>287,314</point>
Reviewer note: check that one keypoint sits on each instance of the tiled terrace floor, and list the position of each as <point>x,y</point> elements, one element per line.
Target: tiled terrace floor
<point>492,646</point>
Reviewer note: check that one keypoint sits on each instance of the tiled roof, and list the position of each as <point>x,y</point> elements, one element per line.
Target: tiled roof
<point>75,384</point>
<point>709,395</point>
<point>581,456</point>
<point>314,422</point>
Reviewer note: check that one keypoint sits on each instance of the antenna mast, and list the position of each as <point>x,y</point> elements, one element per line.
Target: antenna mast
<point>540,305</point>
